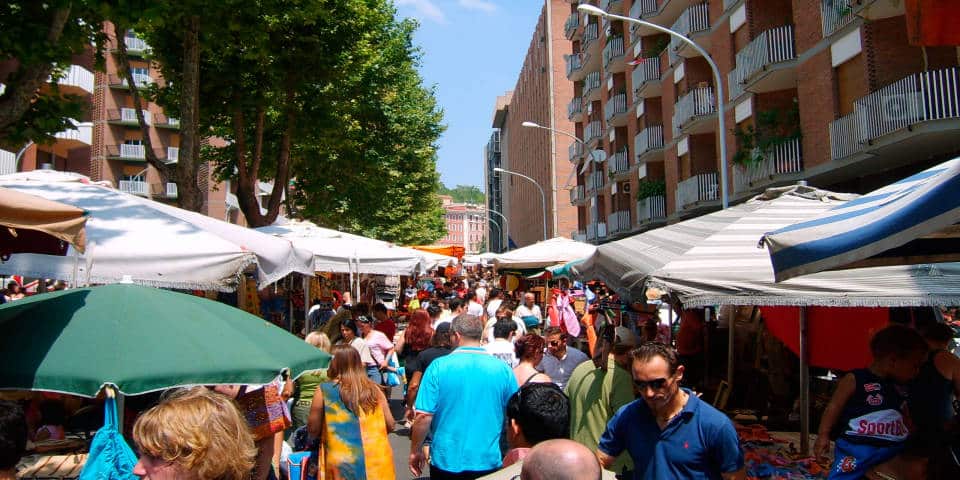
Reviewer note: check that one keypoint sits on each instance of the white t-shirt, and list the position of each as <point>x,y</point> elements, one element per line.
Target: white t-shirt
<point>492,307</point>
<point>481,294</point>
<point>523,311</point>
<point>503,349</point>
<point>475,309</point>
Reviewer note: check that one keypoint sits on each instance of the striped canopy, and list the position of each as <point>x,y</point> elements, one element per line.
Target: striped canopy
<point>908,222</point>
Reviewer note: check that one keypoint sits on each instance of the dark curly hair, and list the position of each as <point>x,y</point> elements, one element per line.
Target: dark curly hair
<point>13,434</point>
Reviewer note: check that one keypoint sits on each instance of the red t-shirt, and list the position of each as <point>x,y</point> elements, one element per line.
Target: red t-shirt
<point>690,336</point>
<point>388,327</point>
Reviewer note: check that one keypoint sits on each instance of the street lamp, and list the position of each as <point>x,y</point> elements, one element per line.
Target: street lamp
<point>543,197</point>
<point>592,10</point>
<point>595,155</point>
<point>505,223</point>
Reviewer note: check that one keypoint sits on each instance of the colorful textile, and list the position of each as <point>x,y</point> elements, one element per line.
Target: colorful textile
<point>353,447</point>
<point>562,314</point>
<point>264,409</point>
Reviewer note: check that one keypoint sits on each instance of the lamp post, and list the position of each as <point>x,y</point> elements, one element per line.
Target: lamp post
<point>595,155</point>
<point>543,197</point>
<point>505,227</point>
<point>592,10</point>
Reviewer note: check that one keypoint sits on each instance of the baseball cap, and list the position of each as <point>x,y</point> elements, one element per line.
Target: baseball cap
<point>624,337</point>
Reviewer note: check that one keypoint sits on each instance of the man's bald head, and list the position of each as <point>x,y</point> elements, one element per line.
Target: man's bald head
<point>560,459</point>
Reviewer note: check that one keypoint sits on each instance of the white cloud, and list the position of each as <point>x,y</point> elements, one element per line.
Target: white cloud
<point>424,10</point>
<point>482,5</point>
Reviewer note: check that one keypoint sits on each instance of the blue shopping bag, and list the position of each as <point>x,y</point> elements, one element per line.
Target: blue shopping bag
<point>110,457</point>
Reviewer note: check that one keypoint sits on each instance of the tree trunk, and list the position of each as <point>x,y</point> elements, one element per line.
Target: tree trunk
<point>20,93</point>
<point>247,190</point>
<point>189,195</point>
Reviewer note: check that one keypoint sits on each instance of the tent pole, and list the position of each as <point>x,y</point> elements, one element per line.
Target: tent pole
<point>804,385</point>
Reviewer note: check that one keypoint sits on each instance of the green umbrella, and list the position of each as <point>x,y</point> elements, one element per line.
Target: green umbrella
<point>140,339</point>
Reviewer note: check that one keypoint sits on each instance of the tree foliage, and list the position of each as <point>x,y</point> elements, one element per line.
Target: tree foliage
<point>464,194</point>
<point>37,42</point>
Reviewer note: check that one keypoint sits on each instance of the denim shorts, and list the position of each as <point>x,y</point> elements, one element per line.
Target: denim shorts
<point>373,373</point>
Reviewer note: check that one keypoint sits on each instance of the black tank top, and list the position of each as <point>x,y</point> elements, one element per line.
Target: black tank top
<point>931,398</point>
<point>874,413</point>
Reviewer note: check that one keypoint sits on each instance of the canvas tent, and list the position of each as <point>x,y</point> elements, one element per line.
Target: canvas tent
<point>152,243</point>
<point>914,220</point>
<point>22,214</point>
<point>544,254</point>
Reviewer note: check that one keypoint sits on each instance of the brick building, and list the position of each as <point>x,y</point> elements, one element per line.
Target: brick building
<point>107,145</point>
<point>541,95</point>
<point>465,225</point>
<point>827,91</point>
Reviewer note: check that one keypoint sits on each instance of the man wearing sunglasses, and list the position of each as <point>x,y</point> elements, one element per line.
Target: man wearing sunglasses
<point>560,360</point>
<point>668,431</point>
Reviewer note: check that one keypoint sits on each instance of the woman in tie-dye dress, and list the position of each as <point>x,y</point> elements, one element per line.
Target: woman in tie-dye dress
<point>351,417</point>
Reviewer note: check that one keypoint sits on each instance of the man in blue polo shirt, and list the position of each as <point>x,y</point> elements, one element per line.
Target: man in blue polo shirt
<point>669,432</point>
<point>462,401</point>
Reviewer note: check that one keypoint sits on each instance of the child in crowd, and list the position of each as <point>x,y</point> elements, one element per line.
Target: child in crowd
<point>867,411</point>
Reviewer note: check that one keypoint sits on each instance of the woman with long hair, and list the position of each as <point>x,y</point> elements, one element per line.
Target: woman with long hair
<point>351,417</point>
<point>529,352</point>
<point>413,340</point>
<point>307,383</point>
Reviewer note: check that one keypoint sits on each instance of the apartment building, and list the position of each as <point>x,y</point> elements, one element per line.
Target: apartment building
<point>827,91</point>
<point>107,145</point>
<point>540,96</point>
<point>465,225</point>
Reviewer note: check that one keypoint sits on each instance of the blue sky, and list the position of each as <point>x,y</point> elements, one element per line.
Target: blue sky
<point>472,52</point>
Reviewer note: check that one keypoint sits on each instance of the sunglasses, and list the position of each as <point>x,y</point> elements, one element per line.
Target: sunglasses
<point>555,343</point>
<point>655,385</point>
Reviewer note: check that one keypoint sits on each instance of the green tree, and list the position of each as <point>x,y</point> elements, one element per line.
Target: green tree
<point>38,40</point>
<point>464,194</point>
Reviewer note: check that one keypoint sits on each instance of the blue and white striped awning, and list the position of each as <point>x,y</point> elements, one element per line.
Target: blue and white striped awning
<point>908,222</point>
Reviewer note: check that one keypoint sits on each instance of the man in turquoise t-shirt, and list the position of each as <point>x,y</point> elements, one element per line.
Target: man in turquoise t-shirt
<point>462,402</point>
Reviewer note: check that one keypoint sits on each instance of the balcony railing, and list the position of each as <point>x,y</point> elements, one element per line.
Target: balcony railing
<point>171,190</point>
<point>134,187</point>
<point>576,151</point>
<point>619,221</point>
<point>612,50</point>
<point>574,62</point>
<point>620,162</point>
<point>591,232</point>
<point>81,132</point>
<point>173,155</point>
<point>605,5</point>
<point>836,14</point>
<point>616,105</point>
<point>779,160</point>
<point>917,98</point>
<point>770,47</point>
<point>651,209</point>
<point>591,83</point>
<point>8,162</point>
<point>577,194</point>
<point>579,235</point>
<point>641,8</point>
<point>693,20</point>
<point>593,131</point>
<point>647,71</point>
<point>698,188</point>
<point>161,120</point>
<point>601,230</point>
<point>649,139</point>
<point>128,116</point>
<point>142,80</point>
<point>76,76</point>
<point>574,108</point>
<point>135,46</point>
<point>698,102</point>
<point>596,181</point>
<point>127,152</point>
<point>571,25</point>
<point>591,32</point>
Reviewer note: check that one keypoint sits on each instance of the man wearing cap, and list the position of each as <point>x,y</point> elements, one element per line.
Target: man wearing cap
<point>598,389</point>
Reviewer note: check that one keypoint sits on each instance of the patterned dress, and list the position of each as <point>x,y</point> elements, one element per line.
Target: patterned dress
<point>353,448</point>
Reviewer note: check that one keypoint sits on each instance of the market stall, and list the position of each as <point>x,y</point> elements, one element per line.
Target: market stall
<point>37,225</point>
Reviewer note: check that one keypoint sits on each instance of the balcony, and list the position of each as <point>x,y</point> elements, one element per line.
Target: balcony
<point>646,78</point>
<point>574,66</point>
<point>127,117</point>
<point>649,139</point>
<point>571,25</point>
<point>619,222</point>
<point>173,155</point>
<point>780,160</point>
<point>620,162</point>
<point>162,121</point>
<point>765,64</point>
<point>579,235</point>
<point>591,232</point>
<point>593,131</point>
<point>613,53</point>
<point>170,190</point>
<point>698,103</point>
<point>596,181</point>
<point>575,109</point>
<point>75,81</point>
<point>612,6</point>
<point>614,112</point>
<point>135,46</point>
<point>697,189</point>
<point>591,32</point>
<point>601,230</point>
<point>142,80</point>
<point>576,151</point>
<point>651,209</point>
<point>591,86</point>
<point>8,162</point>
<point>577,194</point>
<point>912,117</point>
<point>134,187</point>
<point>837,14</point>
<point>641,8</point>
<point>127,152</point>
<point>81,135</point>
<point>692,21</point>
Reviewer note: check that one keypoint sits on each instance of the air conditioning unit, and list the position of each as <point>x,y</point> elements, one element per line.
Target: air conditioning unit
<point>625,187</point>
<point>902,107</point>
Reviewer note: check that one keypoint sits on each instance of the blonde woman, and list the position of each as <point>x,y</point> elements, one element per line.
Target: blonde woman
<point>308,382</point>
<point>194,434</point>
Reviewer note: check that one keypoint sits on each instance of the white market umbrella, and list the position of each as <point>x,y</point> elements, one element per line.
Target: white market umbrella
<point>152,243</point>
<point>545,254</point>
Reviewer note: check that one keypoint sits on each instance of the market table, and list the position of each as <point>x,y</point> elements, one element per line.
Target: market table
<point>45,466</point>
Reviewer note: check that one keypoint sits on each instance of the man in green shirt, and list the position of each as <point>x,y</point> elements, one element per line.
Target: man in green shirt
<point>598,389</point>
